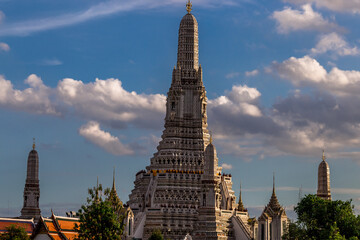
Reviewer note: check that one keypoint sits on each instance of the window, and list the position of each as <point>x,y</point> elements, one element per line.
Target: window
<point>172,105</point>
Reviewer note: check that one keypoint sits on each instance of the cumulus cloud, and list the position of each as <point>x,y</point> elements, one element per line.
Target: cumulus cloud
<point>326,117</point>
<point>306,19</point>
<point>226,166</point>
<point>352,6</point>
<point>4,47</point>
<point>35,99</point>
<point>92,132</point>
<point>300,123</point>
<point>252,73</point>
<point>106,101</point>
<point>307,71</point>
<point>336,44</point>
<point>241,99</point>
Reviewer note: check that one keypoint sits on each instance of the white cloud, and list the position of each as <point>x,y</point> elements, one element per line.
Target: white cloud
<point>289,20</point>
<point>301,70</point>
<point>336,44</point>
<point>352,6</point>
<point>232,75</point>
<point>243,128</point>
<point>104,101</point>
<point>35,99</point>
<point>92,132</point>
<point>307,71</point>
<point>4,47</point>
<point>226,166</point>
<point>100,10</point>
<point>108,102</point>
<point>240,100</point>
<point>252,73</point>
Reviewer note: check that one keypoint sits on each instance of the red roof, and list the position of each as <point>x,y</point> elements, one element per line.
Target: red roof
<point>27,224</point>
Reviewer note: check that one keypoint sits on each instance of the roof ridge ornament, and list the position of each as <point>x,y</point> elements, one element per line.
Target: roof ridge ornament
<point>188,6</point>
<point>33,146</point>
<point>323,155</point>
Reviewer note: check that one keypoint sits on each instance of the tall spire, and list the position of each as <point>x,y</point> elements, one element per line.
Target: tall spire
<point>32,188</point>
<point>323,190</point>
<point>188,44</point>
<point>241,204</point>
<point>273,192</point>
<point>114,198</point>
<point>113,185</point>
<point>274,203</point>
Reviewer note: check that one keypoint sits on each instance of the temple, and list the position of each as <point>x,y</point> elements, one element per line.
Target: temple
<point>323,189</point>
<point>273,220</point>
<point>32,188</point>
<point>183,192</point>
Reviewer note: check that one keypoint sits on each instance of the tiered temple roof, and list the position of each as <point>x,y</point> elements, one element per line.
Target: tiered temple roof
<point>57,228</point>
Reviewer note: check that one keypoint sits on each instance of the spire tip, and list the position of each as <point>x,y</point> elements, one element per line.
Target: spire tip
<point>188,6</point>
<point>274,183</point>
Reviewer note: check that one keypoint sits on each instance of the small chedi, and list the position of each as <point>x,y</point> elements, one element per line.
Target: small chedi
<point>323,189</point>
<point>183,192</point>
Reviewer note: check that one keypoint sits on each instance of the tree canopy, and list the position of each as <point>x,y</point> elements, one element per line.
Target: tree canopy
<point>99,219</point>
<point>324,219</point>
<point>156,235</point>
<point>14,233</point>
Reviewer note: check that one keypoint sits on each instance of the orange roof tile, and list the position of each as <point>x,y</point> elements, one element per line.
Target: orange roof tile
<point>70,235</point>
<point>27,224</point>
<point>55,236</point>
<point>60,228</point>
<point>67,225</point>
<point>50,225</point>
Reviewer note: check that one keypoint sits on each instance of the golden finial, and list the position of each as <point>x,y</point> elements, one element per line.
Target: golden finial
<point>188,6</point>
<point>33,144</point>
<point>323,155</point>
<point>210,137</point>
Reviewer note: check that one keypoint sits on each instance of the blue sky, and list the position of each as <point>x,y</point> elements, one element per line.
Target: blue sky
<point>88,80</point>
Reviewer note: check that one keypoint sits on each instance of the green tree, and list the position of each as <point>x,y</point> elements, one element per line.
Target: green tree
<point>324,219</point>
<point>14,233</point>
<point>98,219</point>
<point>156,235</point>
